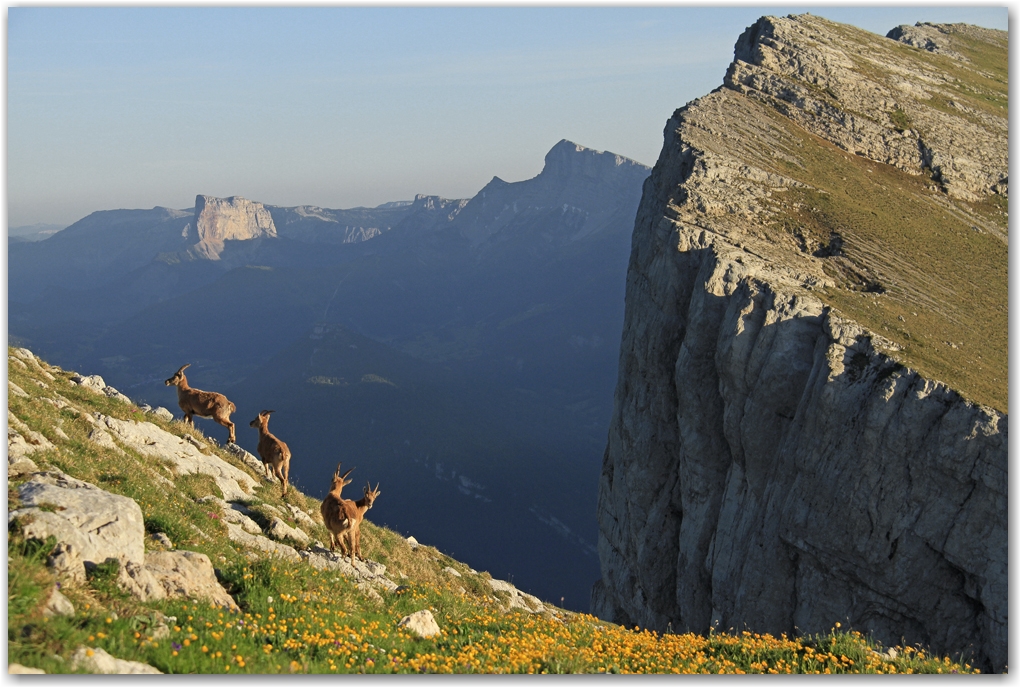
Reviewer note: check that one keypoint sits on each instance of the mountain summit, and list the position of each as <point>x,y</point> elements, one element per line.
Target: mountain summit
<point>579,190</point>
<point>567,158</point>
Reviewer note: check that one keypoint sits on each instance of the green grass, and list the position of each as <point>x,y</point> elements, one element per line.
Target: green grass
<point>900,120</point>
<point>980,82</point>
<point>294,618</point>
<point>918,268</point>
<point>923,270</point>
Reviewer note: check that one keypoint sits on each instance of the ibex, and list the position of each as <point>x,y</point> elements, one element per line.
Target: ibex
<point>202,403</point>
<point>332,510</point>
<point>274,453</point>
<point>355,512</point>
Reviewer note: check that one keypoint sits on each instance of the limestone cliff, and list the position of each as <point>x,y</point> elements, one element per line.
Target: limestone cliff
<point>773,462</point>
<point>227,219</point>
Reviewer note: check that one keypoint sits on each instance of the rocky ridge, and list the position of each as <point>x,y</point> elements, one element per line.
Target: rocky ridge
<point>771,464</point>
<point>878,101</point>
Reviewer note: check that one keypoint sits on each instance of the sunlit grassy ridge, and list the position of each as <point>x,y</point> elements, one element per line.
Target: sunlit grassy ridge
<point>924,270</point>
<point>295,618</point>
<point>980,82</point>
<point>912,267</point>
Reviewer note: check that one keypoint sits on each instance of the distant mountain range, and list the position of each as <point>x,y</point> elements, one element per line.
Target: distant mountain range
<point>32,232</point>
<point>461,352</point>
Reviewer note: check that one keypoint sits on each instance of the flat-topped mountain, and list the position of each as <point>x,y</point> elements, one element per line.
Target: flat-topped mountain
<point>809,423</point>
<point>218,220</point>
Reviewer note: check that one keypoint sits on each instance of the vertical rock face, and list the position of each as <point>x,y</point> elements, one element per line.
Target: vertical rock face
<point>771,464</point>
<point>222,219</point>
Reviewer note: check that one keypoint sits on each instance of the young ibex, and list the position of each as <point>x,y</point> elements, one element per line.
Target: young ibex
<point>355,512</point>
<point>333,515</point>
<point>274,453</point>
<point>202,403</point>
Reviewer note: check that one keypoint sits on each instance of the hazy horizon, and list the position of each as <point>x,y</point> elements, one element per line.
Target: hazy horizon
<point>128,107</point>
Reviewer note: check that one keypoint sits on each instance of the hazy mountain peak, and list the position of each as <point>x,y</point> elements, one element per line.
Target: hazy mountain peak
<point>221,219</point>
<point>574,177</point>
<point>494,184</point>
<point>567,158</point>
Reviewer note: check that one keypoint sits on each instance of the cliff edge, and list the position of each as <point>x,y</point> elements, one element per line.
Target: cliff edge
<point>224,219</point>
<point>810,423</point>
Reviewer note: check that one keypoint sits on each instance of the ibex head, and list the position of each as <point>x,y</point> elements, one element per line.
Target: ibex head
<point>262,420</point>
<point>178,376</point>
<point>340,481</point>
<point>371,494</point>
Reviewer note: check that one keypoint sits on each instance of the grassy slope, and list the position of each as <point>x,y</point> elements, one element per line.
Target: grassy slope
<point>298,619</point>
<point>945,298</point>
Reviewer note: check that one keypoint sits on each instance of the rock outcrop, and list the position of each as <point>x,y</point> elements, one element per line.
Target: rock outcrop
<point>98,524</point>
<point>420,623</point>
<point>18,669</point>
<point>22,442</point>
<point>175,574</point>
<point>187,457</point>
<point>96,660</point>
<point>218,220</point>
<point>92,526</point>
<point>771,465</point>
<point>515,598</point>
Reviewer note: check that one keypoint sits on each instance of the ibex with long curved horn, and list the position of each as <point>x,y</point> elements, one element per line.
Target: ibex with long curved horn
<point>275,454</point>
<point>333,515</point>
<point>202,403</point>
<point>355,512</point>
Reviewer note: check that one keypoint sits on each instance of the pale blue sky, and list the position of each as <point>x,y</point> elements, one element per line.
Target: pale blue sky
<point>122,107</point>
